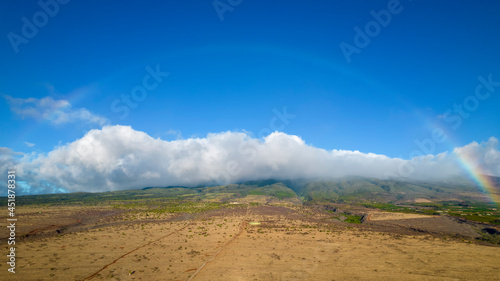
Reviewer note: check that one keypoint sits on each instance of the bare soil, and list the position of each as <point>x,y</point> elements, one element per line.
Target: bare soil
<point>290,243</point>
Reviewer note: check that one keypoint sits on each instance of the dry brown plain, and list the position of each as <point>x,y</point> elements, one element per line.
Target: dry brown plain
<point>242,243</point>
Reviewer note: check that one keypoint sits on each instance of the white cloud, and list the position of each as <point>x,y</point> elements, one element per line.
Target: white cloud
<point>484,156</point>
<point>57,112</point>
<point>175,133</point>
<point>8,159</point>
<point>118,157</point>
<point>29,144</point>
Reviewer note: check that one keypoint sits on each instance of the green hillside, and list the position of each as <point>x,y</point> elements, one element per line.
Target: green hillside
<point>455,197</point>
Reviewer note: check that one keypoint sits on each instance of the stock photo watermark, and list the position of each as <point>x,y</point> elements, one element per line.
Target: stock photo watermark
<point>363,37</point>
<point>30,27</point>
<point>232,169</point>
<point>223,6</point>
<point>483,91</point>
<point>454,118</point>
<point>150,82</point>
<point>11,220</point>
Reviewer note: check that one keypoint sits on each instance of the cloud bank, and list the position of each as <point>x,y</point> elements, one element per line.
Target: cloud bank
<point>57,112</point>
<point>119,157</point>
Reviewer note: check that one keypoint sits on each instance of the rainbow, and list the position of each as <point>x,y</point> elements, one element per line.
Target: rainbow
<point>338,67</point>
<point>478,176</point>
<point>297,55</point>
<point>468,162</point>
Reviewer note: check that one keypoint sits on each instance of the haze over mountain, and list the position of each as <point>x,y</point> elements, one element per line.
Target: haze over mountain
<point>119,157</point>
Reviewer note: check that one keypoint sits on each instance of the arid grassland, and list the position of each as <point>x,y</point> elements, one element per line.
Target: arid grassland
<point>350,229</point>
<point>271,240</point>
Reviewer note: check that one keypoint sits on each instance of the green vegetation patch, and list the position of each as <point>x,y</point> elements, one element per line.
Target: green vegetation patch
<point>107,198</point>
<point>353,218</point>
<point>473,211</point>
<point>172,206</point>
<point>277,190</point>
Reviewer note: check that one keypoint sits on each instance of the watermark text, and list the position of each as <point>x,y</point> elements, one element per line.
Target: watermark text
<point>11,220</point>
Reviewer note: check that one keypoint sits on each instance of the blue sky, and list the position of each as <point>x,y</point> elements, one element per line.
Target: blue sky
<point>229,72</point>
